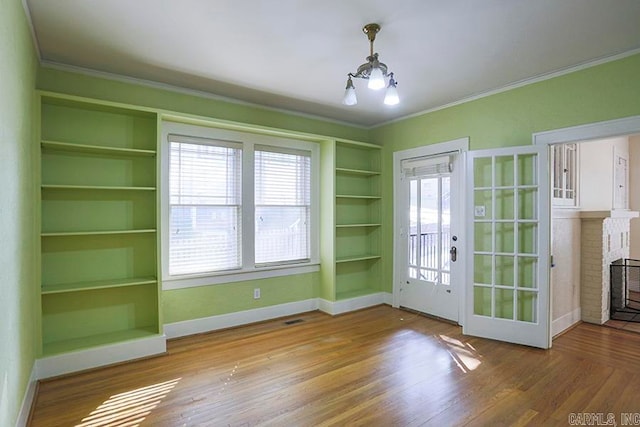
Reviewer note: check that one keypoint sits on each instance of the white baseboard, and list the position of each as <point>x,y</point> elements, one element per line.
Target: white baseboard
<point>564,322</point>
<point>223,321</point>
<point>66,363</point>
<point>27,401</point>
<point>357,303</point>
<point>100,356</point>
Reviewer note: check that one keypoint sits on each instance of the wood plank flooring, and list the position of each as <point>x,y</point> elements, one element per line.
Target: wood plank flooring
<point>375,367</point>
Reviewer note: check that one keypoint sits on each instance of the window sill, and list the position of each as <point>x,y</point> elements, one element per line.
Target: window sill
<point>238,276</point>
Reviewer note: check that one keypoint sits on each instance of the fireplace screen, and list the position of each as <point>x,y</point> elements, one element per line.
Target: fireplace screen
<point>625,290</point>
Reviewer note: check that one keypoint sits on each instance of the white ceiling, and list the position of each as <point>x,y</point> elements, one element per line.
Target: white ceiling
<point>295,54</point>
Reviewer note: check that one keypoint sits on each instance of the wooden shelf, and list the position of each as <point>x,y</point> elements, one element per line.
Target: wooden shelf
<point>353,196</point>
<point>97,233</point>
<point>101,284</point>
<point>84,148</point>
<point>357,258</point>
<point>95,187</point>
<point>356,225</point>
<point>65,346</point>
<point>357,171</point>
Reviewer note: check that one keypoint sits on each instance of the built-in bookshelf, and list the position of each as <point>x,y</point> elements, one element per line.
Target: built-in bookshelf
<point>98,203</point>
<point>357,223</point>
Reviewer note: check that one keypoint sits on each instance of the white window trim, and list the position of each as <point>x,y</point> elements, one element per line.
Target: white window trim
<point>248,271</point>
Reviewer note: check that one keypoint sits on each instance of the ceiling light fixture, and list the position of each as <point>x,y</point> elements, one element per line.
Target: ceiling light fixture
<point>374,71</point>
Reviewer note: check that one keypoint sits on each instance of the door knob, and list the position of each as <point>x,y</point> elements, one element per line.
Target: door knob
<point>454,253</point>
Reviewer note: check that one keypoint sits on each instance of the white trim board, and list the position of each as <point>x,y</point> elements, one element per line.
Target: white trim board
<point>352,304</point>
<point>563,323</point>
<point>240,318</point>
<point>590,131</point>
<point>27,400</point>
<point>95,357</point>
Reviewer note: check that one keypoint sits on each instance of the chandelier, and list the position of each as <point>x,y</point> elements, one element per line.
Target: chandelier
<point>374,71</point>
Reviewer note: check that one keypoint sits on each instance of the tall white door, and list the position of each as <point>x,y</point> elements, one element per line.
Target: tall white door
<point>429,204</point>
<point>507,291</point>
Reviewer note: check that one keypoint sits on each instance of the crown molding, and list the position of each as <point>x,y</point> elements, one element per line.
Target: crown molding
<point>518,84</point>
<point>185,91</point>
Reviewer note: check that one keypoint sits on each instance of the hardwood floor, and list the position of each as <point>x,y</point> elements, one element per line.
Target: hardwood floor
<point>375,367</point>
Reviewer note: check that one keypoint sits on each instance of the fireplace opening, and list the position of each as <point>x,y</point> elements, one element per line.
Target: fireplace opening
<point>625,290</point>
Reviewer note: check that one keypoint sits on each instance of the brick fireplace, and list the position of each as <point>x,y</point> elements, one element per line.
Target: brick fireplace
<point>605,239</point>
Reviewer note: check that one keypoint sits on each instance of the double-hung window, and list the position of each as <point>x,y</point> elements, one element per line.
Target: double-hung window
<point>205,206</point>
<point>236,206</point>
<point>282,205</point>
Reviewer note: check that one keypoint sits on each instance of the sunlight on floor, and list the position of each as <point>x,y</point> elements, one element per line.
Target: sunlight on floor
<point>463,354</point>
<point>129,408</point>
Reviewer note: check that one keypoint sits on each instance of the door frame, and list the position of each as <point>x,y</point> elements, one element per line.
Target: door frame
<point>459,146</point>
<point>581,133</point>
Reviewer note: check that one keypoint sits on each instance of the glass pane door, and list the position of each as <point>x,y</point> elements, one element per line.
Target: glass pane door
<point>508,294</point>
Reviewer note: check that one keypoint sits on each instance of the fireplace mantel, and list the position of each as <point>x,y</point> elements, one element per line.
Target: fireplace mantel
<point>616,213</point>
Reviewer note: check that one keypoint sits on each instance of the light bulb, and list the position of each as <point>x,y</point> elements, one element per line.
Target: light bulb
<point>376,79</point>
<point>350,97</point>
<point>350,94</point>
<point>391,97</point>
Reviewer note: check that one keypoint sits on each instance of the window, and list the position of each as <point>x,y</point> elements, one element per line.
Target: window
<point>283,205</point>
<point>564,160</point>
<point>205,207</point>
<point>236,206</point>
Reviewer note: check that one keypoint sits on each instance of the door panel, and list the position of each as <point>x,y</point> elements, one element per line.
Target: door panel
<point>430,197</point>
<point>507,293</point>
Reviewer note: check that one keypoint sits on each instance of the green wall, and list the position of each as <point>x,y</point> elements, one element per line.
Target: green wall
<point>119,91</point>
<point>205,301</point>
<point>18,289</point>
<point>604,92</point>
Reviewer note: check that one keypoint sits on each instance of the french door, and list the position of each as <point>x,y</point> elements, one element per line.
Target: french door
<point>507,292</point>
<point>429,238</point>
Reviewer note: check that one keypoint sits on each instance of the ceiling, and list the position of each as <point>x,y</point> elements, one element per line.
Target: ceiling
<point>295,54</point>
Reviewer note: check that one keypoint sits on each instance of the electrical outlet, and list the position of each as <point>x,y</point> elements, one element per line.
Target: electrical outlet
<point>256,293</point>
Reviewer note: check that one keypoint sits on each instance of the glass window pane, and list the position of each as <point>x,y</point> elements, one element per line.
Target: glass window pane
<point>283,206</point>
<point>482,172</point>
<point>505,237</point>
<point>527,169</point>
<point>527,203</point>
<point>414,236</point>
<point>527,306</point>
<point>482,204</point>
<point>204,208</point>
<point>203,239</point>
<point>482,301</point>
<point>527,272</point>
<point>527,238</point>
<point>282,233</point>
<point>505,270</point>
<point>482,269</point>
<point>504,171</point>
<point>429,221</point>
<point>483,237</point>
<point>504,303</point>
<point>504,204</point>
